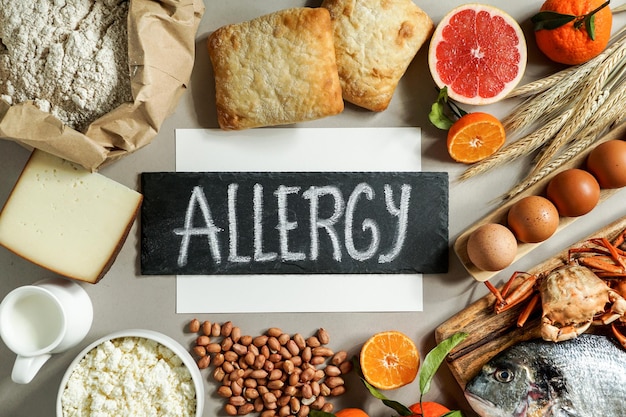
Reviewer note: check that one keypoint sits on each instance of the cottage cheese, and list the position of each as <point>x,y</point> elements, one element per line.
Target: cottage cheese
<point>130,376</point>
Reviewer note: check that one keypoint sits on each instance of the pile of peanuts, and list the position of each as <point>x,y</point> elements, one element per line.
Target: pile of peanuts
<point>274,374</point>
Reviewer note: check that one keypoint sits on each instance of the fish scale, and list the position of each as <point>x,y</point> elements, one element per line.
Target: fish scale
<point>582,377</point>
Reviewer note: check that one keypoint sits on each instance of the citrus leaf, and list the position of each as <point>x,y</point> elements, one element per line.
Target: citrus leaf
<point>435,357</point>
<point>455,413</point>
<point>437,115</point>
<point>395,405</point>
<point>590,26</point>
<point>550,20</point>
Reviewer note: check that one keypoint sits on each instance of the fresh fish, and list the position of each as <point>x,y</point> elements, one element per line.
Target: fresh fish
<point>581,377</point>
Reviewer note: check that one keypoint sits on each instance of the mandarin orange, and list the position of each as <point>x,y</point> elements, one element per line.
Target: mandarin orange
<point>572,43</point>
<point>474,137</point>
<point>429,409</point>
<point>351,412</point>
<point>389,360</point>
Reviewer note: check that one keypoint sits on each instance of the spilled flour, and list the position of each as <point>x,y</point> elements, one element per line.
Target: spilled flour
<point>69,56</point>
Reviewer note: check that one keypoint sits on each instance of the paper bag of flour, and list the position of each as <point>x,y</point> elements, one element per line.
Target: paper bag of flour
<point>161,52</point>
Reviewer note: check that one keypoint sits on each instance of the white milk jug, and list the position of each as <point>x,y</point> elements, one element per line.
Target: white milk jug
<point>38,320</point>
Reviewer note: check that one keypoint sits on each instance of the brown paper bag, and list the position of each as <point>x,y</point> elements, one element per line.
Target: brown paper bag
<point>161,52</point>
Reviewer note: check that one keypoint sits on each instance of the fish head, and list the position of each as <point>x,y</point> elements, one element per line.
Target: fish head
<point>503,388</point>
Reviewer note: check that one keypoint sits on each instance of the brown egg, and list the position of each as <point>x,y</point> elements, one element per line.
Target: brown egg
<point>574,192</point>
<point>607,162</point>
<point>533,219</point>
<point>491,247</point>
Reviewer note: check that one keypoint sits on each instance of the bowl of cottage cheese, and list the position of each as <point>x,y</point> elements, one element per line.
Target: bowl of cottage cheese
<point>132,373</point>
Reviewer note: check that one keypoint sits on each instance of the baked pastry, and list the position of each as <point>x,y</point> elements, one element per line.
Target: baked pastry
<point>375,41</point>
<point>276,69</point>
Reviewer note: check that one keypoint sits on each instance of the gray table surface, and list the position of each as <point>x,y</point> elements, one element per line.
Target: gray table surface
<point>125,299</point>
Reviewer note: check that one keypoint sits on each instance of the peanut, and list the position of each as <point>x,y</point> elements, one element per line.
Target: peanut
<point>245,409</point>
<point>224,391</point>
<point>313,342</point>
<point>323,337</point>
<point>274,331</point>
<point>334,381</point>
<point>230,409</point>
<point>304,411</point>
<point>332,370</point>
<point>237,400</point>
<point>203,340</point>
<point>284,338</point>
<point>226,329</point>
<point>194,326</point>
<point>216,329</point>
<point>204,362</point>
<point>339,357</point>
<point>245,340</point>
<point>322,351</point>
<point>345,367</point>
<point>206,328</point>
<point>199,351</point>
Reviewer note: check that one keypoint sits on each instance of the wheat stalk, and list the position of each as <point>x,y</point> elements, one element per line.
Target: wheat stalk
<point>545,102</point>
<point>542,84</point>
<point>608,113</point>
<point>518,148</point>
<point>591,98</point>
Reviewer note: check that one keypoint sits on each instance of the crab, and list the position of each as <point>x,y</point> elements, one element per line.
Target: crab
<point>572,298</point>
<point>587,290</point>
<point>608,261</point>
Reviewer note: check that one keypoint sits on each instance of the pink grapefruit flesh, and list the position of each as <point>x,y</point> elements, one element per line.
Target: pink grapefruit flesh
<point>478,52</point>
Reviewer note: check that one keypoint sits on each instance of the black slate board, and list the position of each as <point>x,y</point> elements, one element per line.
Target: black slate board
<point>205,223</point>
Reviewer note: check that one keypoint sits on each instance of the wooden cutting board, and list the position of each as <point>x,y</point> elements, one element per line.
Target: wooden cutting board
<point>491,333</point>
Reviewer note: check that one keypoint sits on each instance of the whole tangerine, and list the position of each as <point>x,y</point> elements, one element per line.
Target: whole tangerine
<point>428,409</point>
<point>351,412</point>
<point>571,43</point>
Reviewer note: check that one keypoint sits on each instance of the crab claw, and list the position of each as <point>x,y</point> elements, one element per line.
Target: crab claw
<point>618,308</point>
<point>552,333</point>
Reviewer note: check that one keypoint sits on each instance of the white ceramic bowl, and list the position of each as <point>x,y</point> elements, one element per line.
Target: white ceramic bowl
<point>164,340</point>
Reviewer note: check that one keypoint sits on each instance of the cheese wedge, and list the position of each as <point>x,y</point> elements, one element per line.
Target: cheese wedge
<point>67,219</point>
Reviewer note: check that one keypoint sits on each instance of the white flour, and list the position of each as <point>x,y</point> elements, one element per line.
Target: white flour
<point>69,56</point>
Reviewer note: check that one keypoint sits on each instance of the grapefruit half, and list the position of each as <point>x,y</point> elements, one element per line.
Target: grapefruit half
<point>478,52</point>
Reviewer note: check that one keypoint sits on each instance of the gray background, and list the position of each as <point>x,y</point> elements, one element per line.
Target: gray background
<point>125,299</point>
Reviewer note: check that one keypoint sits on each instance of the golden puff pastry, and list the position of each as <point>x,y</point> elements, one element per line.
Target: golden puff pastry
<point>375,41</point>
<point>276,69</point>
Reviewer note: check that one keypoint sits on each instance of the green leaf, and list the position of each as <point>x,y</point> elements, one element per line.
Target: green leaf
<point>550,20</point>
<point>590,26</point>
<point>435,357</point>
<point>395,405</point>
<point>455,413</point>
<point>437,115</point>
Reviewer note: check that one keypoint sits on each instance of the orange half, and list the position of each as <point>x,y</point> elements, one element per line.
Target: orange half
<point>389,360</point>
<point>474,137</point>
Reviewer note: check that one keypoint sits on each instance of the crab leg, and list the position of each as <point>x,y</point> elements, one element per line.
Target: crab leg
<point>600,262</point>
<point>619,335</point>
<point>619,239</point>
<point>614,253</point>
<point>508,300</point>
<point>523,317</point>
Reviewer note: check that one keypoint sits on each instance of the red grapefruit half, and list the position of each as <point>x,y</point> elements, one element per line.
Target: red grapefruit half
<point>479,52</point>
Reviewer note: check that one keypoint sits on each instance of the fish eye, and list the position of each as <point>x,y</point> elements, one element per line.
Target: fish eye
<point>504,375</point>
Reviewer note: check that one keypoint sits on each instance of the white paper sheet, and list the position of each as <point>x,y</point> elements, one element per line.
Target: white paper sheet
<point>308,149</point>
